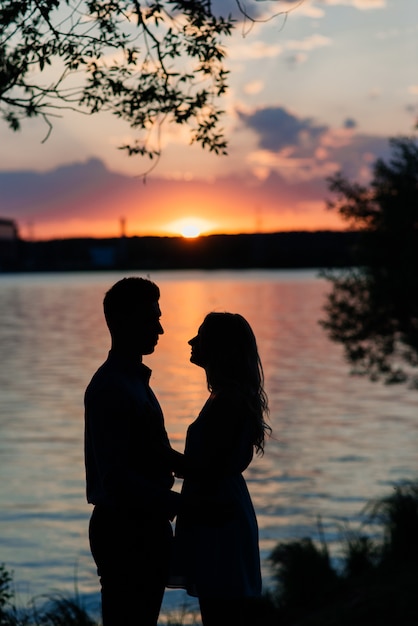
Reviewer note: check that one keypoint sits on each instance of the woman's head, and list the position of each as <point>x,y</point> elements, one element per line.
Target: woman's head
<point>226,348</point>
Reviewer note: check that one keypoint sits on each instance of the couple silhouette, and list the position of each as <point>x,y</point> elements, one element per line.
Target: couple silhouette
<point>131,466</point>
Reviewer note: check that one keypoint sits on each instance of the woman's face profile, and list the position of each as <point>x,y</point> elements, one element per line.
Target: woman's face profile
<point>197,355</point>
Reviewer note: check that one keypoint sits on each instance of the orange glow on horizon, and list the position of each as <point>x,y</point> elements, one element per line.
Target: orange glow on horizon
<point>217,214</point>
<point>110,230</point>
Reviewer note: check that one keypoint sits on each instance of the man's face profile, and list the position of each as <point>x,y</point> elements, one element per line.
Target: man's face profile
<point>145,327</point>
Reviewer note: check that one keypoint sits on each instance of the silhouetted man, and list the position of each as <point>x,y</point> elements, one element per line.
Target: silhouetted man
<point>129,463</point>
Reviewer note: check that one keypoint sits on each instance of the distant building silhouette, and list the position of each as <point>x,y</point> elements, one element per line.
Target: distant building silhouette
<point>8,230</point>
<point>9,244</point>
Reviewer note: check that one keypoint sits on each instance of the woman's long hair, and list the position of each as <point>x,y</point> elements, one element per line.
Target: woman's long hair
<point>232,360</point>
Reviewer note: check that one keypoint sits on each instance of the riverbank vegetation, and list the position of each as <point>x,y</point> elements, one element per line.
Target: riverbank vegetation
<point>372,309</point>
<point>372,582</point>
<point>376,582</point>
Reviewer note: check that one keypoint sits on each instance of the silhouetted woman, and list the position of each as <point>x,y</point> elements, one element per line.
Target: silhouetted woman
<point>217,533</point>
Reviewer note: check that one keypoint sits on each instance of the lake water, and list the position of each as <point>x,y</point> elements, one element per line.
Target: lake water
<point>338,441</point>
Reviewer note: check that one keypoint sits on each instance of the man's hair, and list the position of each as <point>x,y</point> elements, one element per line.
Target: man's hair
<point>126,298</point>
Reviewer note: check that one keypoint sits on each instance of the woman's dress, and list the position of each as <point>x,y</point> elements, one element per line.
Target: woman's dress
<point>216,539</point>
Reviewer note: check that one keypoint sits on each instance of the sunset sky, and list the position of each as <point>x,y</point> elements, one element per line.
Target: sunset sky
<point>320,91</point>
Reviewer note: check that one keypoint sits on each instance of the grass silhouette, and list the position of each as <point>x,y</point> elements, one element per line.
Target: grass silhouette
<point>377,584</point>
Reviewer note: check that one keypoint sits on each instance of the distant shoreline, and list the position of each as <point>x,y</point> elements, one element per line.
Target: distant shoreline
<point>281,250</point>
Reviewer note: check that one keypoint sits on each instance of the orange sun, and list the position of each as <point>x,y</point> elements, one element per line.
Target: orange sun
<point>190,231</point>
<point>190,227</point>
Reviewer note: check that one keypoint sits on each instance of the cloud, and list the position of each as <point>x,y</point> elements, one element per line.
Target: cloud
<point>277,129</point>
<point>362,5</point>
<point>286,176</point>
<point>350,123</point>
<point>388,34</point>
<point>71,188</point>
<point>254,87</point>
<point>296,59</point>
<point>412,109</point>
<point>374,93</point>
<point>304,46</point>
<point>267,9</point>
<point>86,199</point>
<point>261,50</point>
<point>309,43</point>
<point>256,9</point>
<point>293,169</point>
<point>302,149</point>
<point>254,50</point>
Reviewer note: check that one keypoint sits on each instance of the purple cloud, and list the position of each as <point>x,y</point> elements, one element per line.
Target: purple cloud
<point>277,128</point>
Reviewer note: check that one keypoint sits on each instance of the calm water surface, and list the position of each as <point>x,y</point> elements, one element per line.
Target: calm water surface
<point>338,441</point>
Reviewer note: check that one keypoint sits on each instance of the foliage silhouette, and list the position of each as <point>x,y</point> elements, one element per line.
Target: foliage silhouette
<point>372,308</point>
<point>61,611</point>
<point>6,595</point>
<point>360,554</point>
<point>303,573</point>
<point>377,584</point>
<point>398,514</point>
<point>145,63</point>
<point>5,592</point>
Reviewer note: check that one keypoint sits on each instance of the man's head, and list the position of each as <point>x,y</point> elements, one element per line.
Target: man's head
<point>133,315</point>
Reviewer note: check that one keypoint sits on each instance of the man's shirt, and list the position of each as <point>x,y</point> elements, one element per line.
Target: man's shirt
<point>128,456</point>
